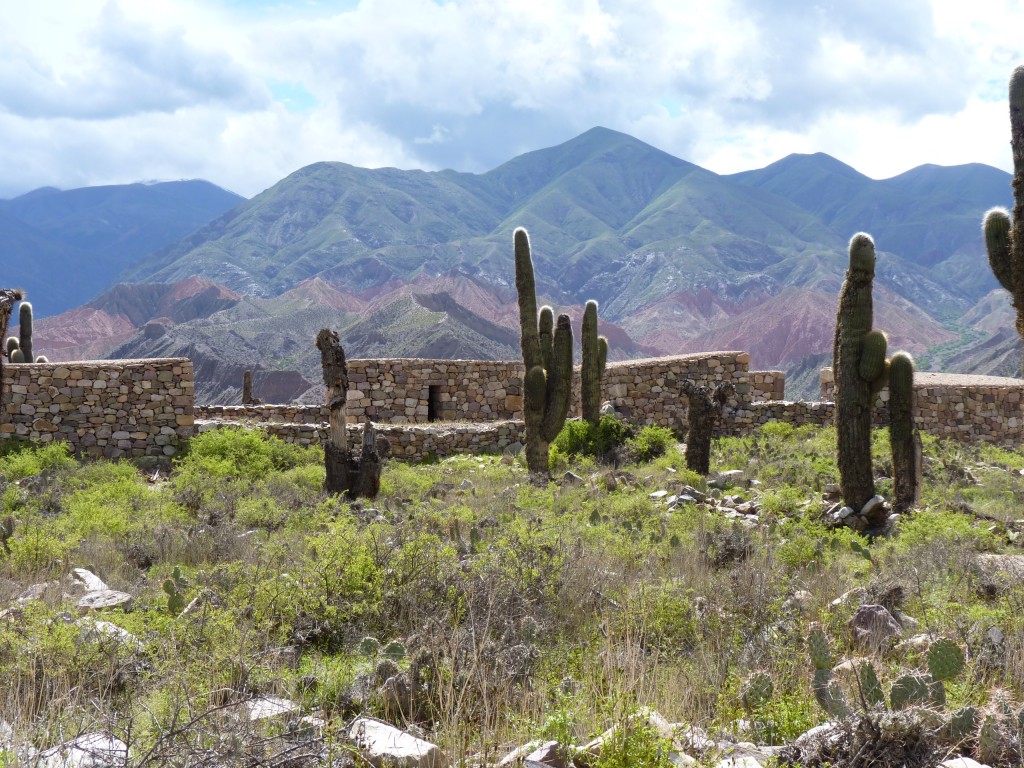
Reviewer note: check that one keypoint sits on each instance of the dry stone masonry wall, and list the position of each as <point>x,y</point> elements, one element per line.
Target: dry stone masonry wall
<point>117,408</point>
<point>960,406</point>
<point>410,391</point>
<point>110,408</point>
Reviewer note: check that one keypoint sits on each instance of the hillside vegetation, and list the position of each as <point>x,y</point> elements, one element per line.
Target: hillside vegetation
<point>481,611</point>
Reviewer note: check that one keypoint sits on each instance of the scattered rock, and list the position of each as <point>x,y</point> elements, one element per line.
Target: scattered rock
<point>874,628</point>
<point>266,708</point>
<point>872,505</point>
<point>87,580</point>
<point>550,754</point>
<point>384,745</point>
<point>571,478</point>
<point>726,479</point>
<point>104,598</point>
<point>91,750</point>
<point>112,632</point>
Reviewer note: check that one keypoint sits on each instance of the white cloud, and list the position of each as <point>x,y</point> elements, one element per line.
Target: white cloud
<point>95,91</point>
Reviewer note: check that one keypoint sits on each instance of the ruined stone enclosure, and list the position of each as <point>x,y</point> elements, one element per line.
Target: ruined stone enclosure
<point>126,408</point>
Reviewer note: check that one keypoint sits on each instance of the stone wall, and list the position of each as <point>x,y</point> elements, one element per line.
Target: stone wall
<point>961,406</point>
<point>407,441</point>
<point>109,408</point>
<point>120,408</point>
<point>420,391</point>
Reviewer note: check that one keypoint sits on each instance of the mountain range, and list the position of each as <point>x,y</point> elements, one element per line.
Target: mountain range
<point>415,263</point>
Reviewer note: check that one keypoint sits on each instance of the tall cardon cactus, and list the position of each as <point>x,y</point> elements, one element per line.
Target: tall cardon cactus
<point>903,437</point>
<point>1004,239</point>
<point>547,359</point>
<point>860,367</point>
<point>595,356</point>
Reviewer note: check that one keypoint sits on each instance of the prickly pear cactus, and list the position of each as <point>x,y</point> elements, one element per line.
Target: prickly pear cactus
<point>908,690</point>
<point>757,691</point>
<point>174,587</point>
<point>993,740</point>
<point>394,651</point>
<point>818,648</point>
<point>369,646</point>
<point>870,687</point>
<point>830,696</point>
<point>961,726</point>
<point>6,532</point>
<point>945,659</point>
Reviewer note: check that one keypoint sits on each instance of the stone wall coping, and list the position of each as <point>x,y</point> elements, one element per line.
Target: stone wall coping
<point>669,359</point>
<point>961,380</point>
<point>141,362</point>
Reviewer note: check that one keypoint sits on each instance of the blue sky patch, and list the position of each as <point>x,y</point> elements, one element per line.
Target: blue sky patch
<point>294,96</point>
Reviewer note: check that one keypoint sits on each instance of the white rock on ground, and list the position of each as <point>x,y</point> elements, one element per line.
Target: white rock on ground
<point>267,707</point>
<point>90,750</point>
<point>104,598</point>
<point>744,761</point>
<point>112,632</point>
<point>961,762</point>
<point>384,746</point>
<point>87,579</point>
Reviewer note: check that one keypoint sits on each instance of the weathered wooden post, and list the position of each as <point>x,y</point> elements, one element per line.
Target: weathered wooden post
<point>703,413</point>
<point>336,455</point>
<point>247,398</point>
<point>345,473</point>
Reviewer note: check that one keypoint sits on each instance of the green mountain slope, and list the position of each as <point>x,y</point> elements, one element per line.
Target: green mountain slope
<point>94,233</point>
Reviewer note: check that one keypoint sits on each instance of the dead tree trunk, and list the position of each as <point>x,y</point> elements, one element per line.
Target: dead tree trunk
<point>347,474</point>
<point>247,398</point>
<point>704,411</point>
<point>8,298</point>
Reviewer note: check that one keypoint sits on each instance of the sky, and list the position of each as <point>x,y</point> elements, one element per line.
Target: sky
<point>244,92</point>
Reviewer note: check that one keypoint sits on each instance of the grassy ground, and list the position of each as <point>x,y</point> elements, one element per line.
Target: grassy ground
<point>503,611</point>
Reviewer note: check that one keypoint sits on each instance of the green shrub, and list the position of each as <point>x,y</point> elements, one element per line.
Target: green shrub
<point>20,460</point>
<point>238,452</point>
<point>650,443</point>
<point>581,438</point>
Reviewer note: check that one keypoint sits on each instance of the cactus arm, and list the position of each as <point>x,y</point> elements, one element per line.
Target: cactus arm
<point>25,330</point>
<point>902,434</point>
<point>591,367</point>
<point>559,381</point>
<point>529,338</point>
<point>996,228</point>
<point>872,356</point>
<point>602,353</point>
<point>546,322</point>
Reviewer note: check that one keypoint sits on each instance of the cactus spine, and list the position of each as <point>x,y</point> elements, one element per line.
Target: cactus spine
<point>25,330</point>
<point>1004,239</point>
<point>860,369</point>
<point>547,359</point>
<point>595,356</point>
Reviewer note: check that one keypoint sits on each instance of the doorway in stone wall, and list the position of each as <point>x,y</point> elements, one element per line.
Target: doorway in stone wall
<point>434,402</point>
